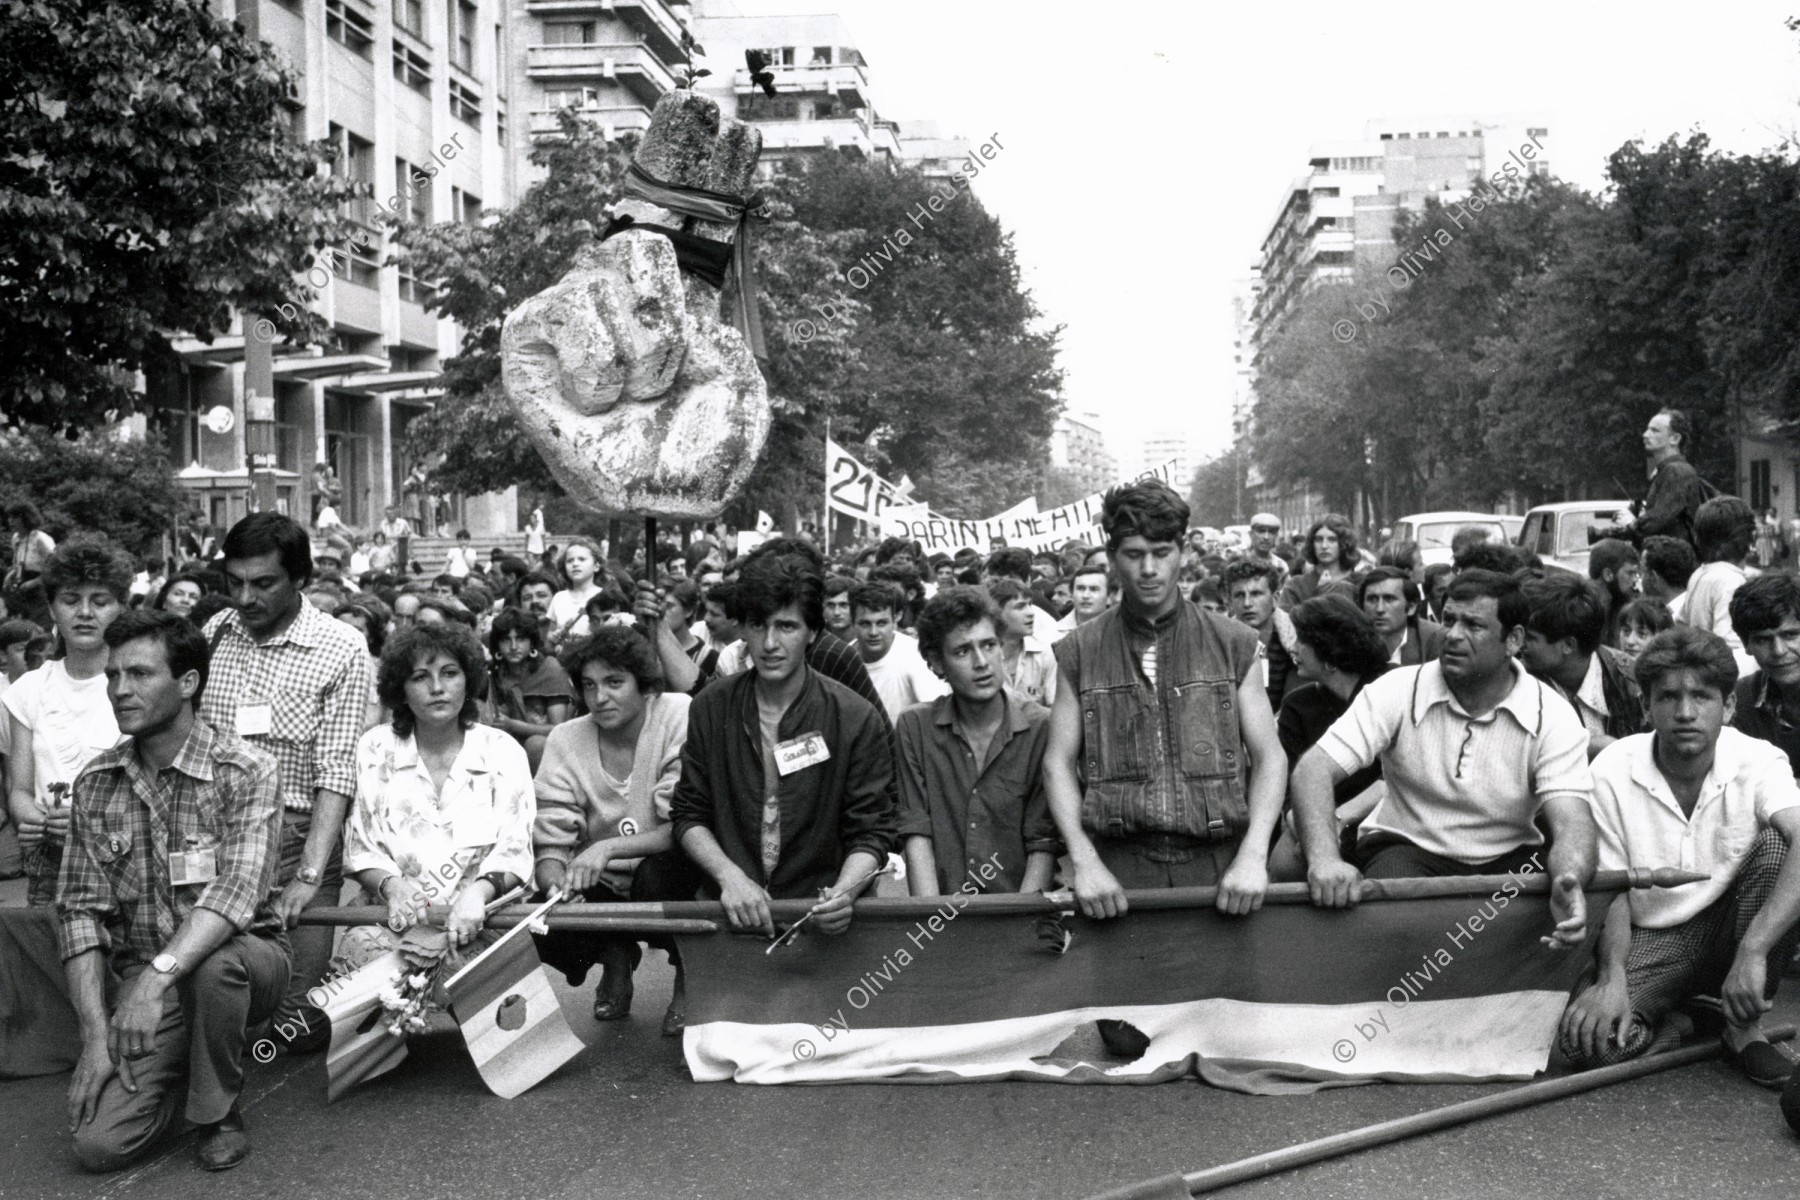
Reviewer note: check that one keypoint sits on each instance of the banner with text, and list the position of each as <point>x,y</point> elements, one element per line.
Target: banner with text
<point>853,489</point>
<point>1028,530</point>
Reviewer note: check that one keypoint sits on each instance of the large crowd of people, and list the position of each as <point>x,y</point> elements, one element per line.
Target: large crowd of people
<point>193,761</point>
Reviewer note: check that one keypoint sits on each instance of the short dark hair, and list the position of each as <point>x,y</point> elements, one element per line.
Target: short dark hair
<point>1346,536</point>
<point>376,610</point>
<point>1434,570</point>
<point>1149,509</point>
<point>1509,600</point>
<point>25,510</point>
<point>1004,589</point>
<point>1466,536</point>
<point>448,580</point>
<point>16,630</point>
<point>687,594</point>
<point>1497,557</point>
<point>1679,424</point>
<point>89,558</point>
<point>876,596</point>
<point>1609,554</point>
<point>768,584</point>
<point>892,546</point>
<point>1341,634</point>
<point>838,584</point>
<point>1670,559</point>
<point>1685,648</point>
<point>950,610</point>
<point>1564,605</point>
<point>786,547</point>
<point>196,578</point>
<point>606,599</point>
<point>1409,591</point>
<point>1724,527</point>
<point>1088,568</point>
<point>271,533</point>
<point>453,610</point>
<point>515,620</point>
<point>538,577</point>
<point>1404,555</point>
<point>1761,604</point>
<point>620,646</point>
<point>183,645</point>
<point>1012,562</point>
<point>1243,570</point>
<point>415,642</point>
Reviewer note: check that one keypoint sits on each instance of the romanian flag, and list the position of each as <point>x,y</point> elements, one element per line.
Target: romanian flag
<point>361,1046</point>
<point>510,1017</point>
<point>1450,985</point>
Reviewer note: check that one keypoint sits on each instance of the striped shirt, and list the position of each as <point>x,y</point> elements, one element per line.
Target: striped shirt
<point>115,891</point>
<point>1468,788</point>
<point>315,677</point>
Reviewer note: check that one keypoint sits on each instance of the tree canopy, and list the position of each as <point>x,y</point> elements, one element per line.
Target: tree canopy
<point>1528,353</point>
<point>149,181</point>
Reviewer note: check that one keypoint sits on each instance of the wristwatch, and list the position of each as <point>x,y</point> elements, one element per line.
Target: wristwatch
<point>308,875</point>
<point>165,964</point>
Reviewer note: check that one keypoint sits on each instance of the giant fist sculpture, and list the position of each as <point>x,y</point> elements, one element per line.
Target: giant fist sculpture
<point>638,397</point>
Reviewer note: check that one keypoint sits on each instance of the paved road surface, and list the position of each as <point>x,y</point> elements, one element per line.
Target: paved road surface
<point>623,1121</point>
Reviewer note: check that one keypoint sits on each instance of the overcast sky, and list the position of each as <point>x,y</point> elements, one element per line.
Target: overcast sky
<point>1146,146</point>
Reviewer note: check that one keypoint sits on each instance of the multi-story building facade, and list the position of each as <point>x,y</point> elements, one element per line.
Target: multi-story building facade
<point>1079,448</point>
<point>398,86</point>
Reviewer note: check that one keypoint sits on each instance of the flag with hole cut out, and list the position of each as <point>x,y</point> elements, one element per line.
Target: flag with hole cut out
<point>510,1017</point>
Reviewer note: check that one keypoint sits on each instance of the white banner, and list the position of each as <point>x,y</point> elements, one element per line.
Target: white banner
<point>1026,529</point>
<point>853,489</point>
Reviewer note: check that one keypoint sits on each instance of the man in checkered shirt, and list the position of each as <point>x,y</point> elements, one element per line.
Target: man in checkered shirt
<point>294,683</point>
<point>171,946</point>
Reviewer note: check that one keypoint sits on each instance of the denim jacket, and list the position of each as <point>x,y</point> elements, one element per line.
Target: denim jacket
<point>1166,759</point>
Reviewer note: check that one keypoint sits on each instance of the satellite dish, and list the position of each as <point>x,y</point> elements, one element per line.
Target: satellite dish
<point>219,419</point>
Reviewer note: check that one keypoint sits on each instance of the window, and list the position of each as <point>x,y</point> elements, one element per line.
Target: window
<point>500,126</point>
<point>418,203</point>
<point>821,56</point>
<point>462,34</point>
<point>761,108</point>
<point>413,291</point>
<point>1537,132</point>
<point>465,104</point>
<point>355,161</point>
<point>411,69</point>
<point>465,207</point>
<point>410,16</point>
<point>1760,491</point>
<point>824,110</point>
<point>569,33</point>
<point>347,24</point>
<point>778,56</point>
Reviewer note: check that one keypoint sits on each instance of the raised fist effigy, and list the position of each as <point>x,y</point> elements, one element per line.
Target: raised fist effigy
<point>638,397</point>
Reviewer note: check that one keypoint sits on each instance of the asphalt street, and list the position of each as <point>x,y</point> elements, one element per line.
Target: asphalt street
<point>624,1120</point>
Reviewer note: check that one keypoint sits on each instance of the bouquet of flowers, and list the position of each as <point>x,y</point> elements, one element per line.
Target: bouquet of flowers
<point>413,994</point>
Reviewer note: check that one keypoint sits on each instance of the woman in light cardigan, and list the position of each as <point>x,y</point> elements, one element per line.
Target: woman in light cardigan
<point>602,825</point>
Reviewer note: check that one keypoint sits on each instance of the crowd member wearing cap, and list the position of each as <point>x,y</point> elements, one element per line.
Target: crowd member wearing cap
<point>1265,533</point>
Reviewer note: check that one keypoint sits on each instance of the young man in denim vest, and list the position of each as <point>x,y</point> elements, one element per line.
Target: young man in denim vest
<point>1163,767</point>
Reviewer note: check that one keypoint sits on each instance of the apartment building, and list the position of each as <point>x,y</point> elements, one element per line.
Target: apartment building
<point>402,87</point>
<point>1078,447</point>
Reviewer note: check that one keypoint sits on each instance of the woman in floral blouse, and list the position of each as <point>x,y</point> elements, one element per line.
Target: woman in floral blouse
<point>444,806</point>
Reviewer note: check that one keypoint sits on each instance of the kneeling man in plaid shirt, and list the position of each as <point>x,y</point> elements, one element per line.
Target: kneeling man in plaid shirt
<point>172,949</point>
<point>1699,796</point>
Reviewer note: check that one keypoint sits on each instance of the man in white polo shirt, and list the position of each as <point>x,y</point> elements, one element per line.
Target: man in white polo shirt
<point>1472,749</point>
<point>1696,795</point>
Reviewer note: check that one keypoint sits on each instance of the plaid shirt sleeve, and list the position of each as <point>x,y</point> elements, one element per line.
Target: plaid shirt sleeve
<point>84,898</point>
<point>344,701</point>
<point>248,848</point>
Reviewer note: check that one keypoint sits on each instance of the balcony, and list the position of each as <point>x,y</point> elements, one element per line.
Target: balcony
<point>632,64</point>
<point>613,119</point>
<point>839,133</point>
<point>649,19</point>
<point>844,80</point>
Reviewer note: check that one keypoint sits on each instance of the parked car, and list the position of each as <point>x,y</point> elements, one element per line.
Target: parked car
<point>1559,532</point>
<point>1433,531</point>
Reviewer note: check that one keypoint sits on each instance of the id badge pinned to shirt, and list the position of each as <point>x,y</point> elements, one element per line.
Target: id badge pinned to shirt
<point>797,754</point>
<point>255,717</point>
<point>194,866</point>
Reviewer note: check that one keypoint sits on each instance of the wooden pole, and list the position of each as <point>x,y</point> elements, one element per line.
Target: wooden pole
<point>651,915</point>
<point>1197,1183</point>
<point>580,918</point>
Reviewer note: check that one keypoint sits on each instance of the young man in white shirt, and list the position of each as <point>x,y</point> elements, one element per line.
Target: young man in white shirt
<point>892,659</point>
<point>1709,799</point>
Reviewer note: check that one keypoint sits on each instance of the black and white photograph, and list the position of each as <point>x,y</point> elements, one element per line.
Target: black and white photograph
<point>961,598</point>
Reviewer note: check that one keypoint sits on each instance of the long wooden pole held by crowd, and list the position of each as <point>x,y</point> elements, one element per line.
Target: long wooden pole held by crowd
<point>702,916</point>
<point>1196,1183</point>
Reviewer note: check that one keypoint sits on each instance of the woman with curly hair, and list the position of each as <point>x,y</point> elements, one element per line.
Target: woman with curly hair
<point>1330,552</point>
<point>444,805</point>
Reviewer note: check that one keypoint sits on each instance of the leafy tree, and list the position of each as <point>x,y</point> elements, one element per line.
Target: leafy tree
<point>149,180</point>
<point>124,489</point>
<point>1216,494</point>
